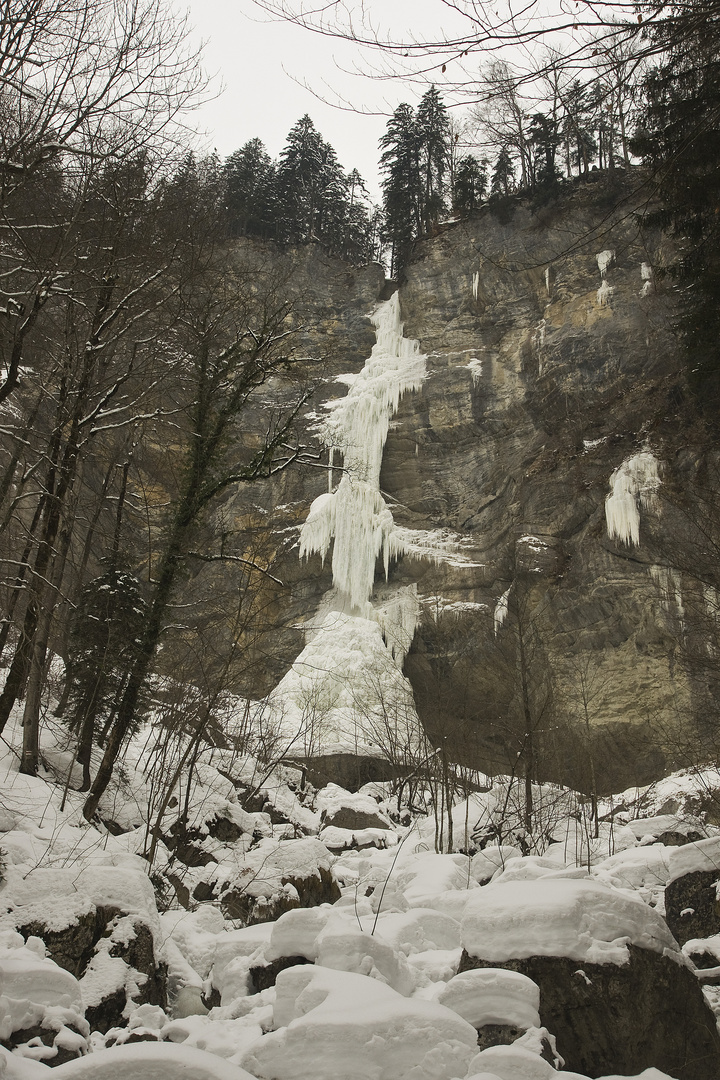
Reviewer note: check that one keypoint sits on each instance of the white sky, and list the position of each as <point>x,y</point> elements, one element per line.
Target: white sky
<point>261,65</point>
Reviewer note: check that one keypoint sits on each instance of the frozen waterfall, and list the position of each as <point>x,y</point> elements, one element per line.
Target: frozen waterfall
<point>355,516</point>
<point>633,485</point>
<point>346,690</point>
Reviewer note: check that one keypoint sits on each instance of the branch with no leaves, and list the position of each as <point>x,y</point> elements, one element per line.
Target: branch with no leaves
<point>249,563</point>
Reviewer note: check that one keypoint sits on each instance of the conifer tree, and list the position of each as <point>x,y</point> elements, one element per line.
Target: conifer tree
<point>433,142</point>
<point>309,184</point>
<point>680,139</point>
<point>249,177</point>
<point>470,187</point>
<point>402,184</point>
<point>544,139</point>
<point>580,144</point>
<point>503,177</point>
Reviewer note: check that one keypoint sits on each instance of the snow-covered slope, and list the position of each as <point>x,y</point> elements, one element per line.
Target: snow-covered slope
<point>366,986</point>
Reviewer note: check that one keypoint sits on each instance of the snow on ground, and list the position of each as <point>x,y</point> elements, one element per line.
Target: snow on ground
<point>378,994</point>
<point>581,919</point>
<point>341,1024</point>
<point>151,1062</point>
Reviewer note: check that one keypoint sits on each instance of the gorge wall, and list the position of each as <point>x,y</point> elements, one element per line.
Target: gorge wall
<point>552,372</point>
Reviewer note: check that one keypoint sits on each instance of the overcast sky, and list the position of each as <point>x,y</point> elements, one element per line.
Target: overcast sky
<point>262,64</point>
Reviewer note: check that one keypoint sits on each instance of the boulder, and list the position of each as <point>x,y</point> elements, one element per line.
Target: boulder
<point>40,1004</point>
<point>123,974</point>
<point>614,989</point>
<point>265,975</point>
<point>278,877</point>
<point>691,906</point>
<point>349,817</point>
<point>70,932</point>
<point>611,1019</point>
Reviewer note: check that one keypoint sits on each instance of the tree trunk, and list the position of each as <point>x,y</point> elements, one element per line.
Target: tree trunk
<point>41,638</point>
<point>19,578</point>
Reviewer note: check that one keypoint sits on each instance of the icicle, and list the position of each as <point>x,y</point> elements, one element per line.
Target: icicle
<point>331,455</point>
<point>548,281</point>
<point>604,260</point>
<point>476,284</point>
<point>646,273</point>
<point>501,611</point>
<point>355,515</point>
<point>398,618</point>
<point>633,485</point>
<point>604,293</point>
<point>475,367</point>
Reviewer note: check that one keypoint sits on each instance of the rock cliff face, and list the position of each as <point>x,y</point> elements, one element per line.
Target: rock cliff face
<point>552,382</point>
<point>552,362</point>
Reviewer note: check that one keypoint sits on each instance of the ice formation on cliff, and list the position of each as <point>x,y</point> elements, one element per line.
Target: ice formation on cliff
<point>605,259</point>
<point>347,682</point>
<point>355,516</point>
<point>501,610</point>
<point>475,367</point>
<point>646,273</point>
<point>633,485</point>
<point>669,583</point>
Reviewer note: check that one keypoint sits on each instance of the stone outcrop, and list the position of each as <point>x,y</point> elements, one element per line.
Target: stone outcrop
<point>551,362</point>
<point>622,1019</point>
<point>277,878</point>
<point>691,905</point>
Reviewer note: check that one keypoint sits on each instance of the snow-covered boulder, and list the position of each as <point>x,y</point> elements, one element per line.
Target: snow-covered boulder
<point>492,996</point>
<point>635,868</point>
<point>691,894</point>
<point>580,919</point>
<point>669,829</point>
<point>332,939</point>
<point>152,1061</point>
<point>296,932</point>
<point>338,1023</point>
<point>417,930</point>
<point>277,877</point>
<point>195,933</point>
<point>233,952</point>
<point>100,923</point>
<point>348,948</point>
<point>342,809</point>
<point>70,927</point>
<point>492,858</point>
<point>40,1003</point>
<point>336,839</point>
<point>511,1063</point>
<point>614,988</point>
<point>124,972</point>
<point>424,875</point>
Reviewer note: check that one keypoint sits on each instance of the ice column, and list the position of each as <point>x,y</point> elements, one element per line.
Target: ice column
<point>646,273</point>
<point>604,260</point>
<point>632,486</point>
<point>355,515</point>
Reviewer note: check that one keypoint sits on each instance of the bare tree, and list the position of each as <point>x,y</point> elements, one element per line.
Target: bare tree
<point>232,338</point>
